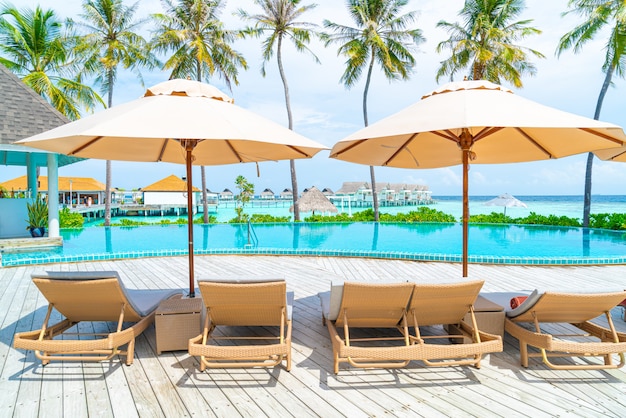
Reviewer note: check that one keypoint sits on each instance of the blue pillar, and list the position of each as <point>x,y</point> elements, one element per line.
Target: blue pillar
<point>31,175</point>
<point>53,195</point>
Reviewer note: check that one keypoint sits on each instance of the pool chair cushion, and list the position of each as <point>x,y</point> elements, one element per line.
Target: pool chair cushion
<point>143,301</point>
<point>330,301</point>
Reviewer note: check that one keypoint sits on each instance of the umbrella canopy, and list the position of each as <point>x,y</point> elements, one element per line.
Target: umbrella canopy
<point>507,201</point>
<point>612,154</point>
<point>313,200</point>
<point>475,121</point>
<point>178,121</point>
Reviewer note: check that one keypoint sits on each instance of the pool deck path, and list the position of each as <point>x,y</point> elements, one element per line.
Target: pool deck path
<point>170,385</point>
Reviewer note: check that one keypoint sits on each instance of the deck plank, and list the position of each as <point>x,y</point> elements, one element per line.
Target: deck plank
<point>171,384</point>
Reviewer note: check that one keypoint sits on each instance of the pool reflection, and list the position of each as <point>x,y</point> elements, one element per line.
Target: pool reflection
<point>524,241</point>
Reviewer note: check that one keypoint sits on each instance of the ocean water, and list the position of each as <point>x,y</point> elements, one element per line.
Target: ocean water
<point>570,206</point>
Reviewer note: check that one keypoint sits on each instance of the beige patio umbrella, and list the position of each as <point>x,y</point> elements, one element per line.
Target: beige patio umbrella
<point>475,121</point>
<point>507,201</point>
<point>178,121</point>
<point>313,200</point>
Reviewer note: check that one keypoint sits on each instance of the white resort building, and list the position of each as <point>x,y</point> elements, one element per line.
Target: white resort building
<point>359,194</point>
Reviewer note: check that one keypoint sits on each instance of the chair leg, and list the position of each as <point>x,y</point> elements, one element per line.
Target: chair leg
<point>336,365</point>
<point>130,352</point>
<point>523,353</point>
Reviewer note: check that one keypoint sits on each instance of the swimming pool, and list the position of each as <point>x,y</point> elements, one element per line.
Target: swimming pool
<point>499,244</point>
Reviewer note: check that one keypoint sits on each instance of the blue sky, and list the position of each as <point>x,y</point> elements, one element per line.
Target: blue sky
<point>326,112</point>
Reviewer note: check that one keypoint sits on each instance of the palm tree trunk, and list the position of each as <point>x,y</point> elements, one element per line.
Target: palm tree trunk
<point>205,204</point>
<point>589,170</point>
<point>372,175</point>
<point>107,187</point>
<point>292,163</point>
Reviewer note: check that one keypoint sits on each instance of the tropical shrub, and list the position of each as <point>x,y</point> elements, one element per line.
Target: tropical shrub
<point>198,220</point>
<point>615,221</point>
<point>535,219</point>
<point>492,218</point>
<point>68,219</point>
<point>421,214</point>
<point>265,218</point>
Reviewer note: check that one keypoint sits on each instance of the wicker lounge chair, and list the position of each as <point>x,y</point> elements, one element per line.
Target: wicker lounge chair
<point>401,306</point>
<point>366,305</point>
<point>577,309</point>
<point>447,304</point>
<point>244,303</point>
<point>90,296</point>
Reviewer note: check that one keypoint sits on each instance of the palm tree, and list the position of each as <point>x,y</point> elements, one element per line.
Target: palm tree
<point>33,47</point>
<point>200,48</point>
<point>485,42</point>
<point>110,41</point>
<point>380,36</point>
<point>279,20</point>
<point>598,14</point>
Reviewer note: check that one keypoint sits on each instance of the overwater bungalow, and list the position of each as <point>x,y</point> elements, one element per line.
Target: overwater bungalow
<point>286,194</point>
<point>267,194</point>
<point>226,194</point>
<point>359,194</point>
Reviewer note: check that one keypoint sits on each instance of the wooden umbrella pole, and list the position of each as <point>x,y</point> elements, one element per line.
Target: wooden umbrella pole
<point>466,143</point>
<point>189,146</point>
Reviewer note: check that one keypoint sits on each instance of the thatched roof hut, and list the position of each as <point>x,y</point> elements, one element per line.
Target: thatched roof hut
<point>313,200</point>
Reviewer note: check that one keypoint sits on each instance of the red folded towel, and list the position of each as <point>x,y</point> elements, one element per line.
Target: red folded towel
<point>622,303</point>
<point>517,301</point>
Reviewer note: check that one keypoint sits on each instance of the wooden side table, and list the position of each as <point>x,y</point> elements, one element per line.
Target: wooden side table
<point>176,321</point>
<point>489,318</point>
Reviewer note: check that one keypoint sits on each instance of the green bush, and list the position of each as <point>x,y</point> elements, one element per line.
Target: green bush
<point>421,214</point>
<point>340,217</point>
<point>492,218</point>
<point>199,220</point>
<point>69,219</point>
<point>129,222</point>
<point>553,220</point>
<point>615,221</point>
<point>265,218</point>
<point>241,218</point>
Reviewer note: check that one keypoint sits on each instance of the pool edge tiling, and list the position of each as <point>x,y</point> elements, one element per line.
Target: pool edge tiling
<point>449,258</point>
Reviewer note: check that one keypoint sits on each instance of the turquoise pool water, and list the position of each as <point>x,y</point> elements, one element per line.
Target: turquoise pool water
<point>512,244</point>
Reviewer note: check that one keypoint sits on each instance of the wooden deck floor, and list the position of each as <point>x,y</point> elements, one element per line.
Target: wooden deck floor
<point>170,384</point>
